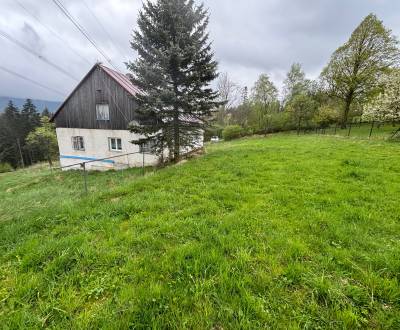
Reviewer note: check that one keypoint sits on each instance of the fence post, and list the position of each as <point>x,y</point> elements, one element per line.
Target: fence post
<point>349,129</point>
<point>85,177</point>
<point>335,128</point>
<point>143,163</point>
<point>372,127</point>
<point>298,127</point>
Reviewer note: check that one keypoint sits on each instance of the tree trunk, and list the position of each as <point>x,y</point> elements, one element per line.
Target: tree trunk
<point>348,101</point>
<point>266,128</point>
<point>176,136</point>
<point>177,141</point>
<point>48,154</point>
<point>170,151</point>
<point>20,153</point>
<point>298,126</point>
<point>161,159</point>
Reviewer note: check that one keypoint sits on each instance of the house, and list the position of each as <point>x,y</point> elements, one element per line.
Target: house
<point>92,123</point>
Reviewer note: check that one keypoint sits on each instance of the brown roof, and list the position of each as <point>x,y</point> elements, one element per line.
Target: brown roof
<point>118,77</point>
<point>122,80</point>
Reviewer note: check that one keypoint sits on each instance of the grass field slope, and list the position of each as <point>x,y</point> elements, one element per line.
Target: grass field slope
<point>282,232</point>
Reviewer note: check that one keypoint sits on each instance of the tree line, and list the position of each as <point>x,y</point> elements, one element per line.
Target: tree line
<point>175,69</point>
<point>361,80</point>
<point>26,136</point>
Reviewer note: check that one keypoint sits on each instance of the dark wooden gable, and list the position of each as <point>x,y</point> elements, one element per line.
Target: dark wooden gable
<point>79,110</point>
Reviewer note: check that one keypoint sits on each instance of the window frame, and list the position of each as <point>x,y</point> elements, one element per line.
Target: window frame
<point>97,111</point>
<point>116,144</point>
<point>78,143</point>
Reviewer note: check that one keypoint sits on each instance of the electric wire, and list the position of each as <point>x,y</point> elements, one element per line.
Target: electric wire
<point>31,80</point>
<point>110,39</point>
<point>35,53</point>
<point>54,33</point>
<point>82,31</point>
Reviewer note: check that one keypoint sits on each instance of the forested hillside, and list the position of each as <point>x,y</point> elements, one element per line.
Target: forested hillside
<point>40,105</point>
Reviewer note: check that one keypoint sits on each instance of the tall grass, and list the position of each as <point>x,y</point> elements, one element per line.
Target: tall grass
<point>282,232</point>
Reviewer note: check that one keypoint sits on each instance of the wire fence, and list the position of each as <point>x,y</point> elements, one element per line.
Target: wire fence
<point>99,175</point>
<point>380,130</point>
<point>123,169</point>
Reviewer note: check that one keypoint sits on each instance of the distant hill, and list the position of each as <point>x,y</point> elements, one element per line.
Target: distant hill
<point>40,104</point>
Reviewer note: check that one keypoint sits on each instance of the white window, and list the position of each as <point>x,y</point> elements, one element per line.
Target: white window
<point>102,112</point>
<point>78,143</point>
<point>147,147</point>
<point>115,144</point>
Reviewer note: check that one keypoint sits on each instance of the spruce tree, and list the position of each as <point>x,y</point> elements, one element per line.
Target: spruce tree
<point>10,135</point>
<point>46,113</point>
<point>11,113</point>
<point>30,118</point>
<point>174,69</point>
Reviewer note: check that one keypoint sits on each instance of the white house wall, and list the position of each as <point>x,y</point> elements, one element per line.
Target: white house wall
<point>97,147</point>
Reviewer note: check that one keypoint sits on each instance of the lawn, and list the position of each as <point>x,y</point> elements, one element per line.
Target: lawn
<point>380,131</point>
<point>278,232</point>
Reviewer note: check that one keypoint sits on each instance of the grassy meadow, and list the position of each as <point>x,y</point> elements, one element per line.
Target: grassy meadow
<point>380,131</point>
<point>282,232</point>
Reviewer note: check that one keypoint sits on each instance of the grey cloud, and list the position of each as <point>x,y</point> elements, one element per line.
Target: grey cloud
<point>270,35</point>
<point>250,37</point>
<point>31,38</point>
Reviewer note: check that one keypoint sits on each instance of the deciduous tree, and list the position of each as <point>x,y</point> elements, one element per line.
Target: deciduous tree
<point>295,82</point>
<point>355,68</point>
<point>229,95</point>
<point>43,141</point>
<point>302,109</point>
<point>265,99</point>
<point>386,106</point>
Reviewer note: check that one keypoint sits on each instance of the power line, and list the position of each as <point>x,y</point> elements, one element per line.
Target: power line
<point>83,31</point>
<point>116,46</point>
<point>35,53</point>
<point>54,33</point>
<point>31,81</point>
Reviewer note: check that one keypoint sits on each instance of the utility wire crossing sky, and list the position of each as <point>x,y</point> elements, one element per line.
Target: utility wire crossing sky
<point>249,37</point>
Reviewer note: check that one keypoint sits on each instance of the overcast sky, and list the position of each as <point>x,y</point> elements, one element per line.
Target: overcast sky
<point>250,37</point>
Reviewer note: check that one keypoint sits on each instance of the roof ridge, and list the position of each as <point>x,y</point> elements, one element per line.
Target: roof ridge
<point>125,82</point>
<point>119,78</point>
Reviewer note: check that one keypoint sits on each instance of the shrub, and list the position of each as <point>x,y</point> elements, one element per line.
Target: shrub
<point>5,167</point>
<point>281,121</point>
<point>325,116</point>
<point>232,132</point>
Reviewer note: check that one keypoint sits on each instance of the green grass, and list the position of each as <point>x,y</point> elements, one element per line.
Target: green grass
<point>284,232</point>
<point>379,131</point>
